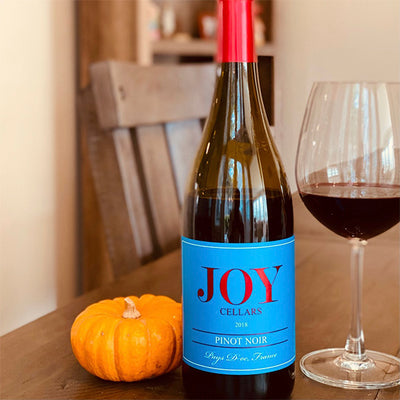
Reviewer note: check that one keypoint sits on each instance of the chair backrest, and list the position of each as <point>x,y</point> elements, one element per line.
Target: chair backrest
<point>143,126</point>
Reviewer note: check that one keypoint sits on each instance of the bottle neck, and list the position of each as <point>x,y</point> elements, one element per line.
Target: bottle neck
<point>235,31</point>
<point>238,92</point>
<point>237,100</point>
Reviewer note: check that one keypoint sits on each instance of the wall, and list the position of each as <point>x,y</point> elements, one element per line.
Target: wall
<point>328,40</point>
<point>37,160</point>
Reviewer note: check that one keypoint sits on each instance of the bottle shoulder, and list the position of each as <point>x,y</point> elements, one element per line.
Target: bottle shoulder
<point>237,138</point>
<point>238,192</point>
<point>246,157</point>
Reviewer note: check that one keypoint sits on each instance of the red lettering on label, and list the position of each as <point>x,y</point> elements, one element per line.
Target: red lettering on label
<point>248,284</point>
<point>210,285</point>
<point>266,282</point>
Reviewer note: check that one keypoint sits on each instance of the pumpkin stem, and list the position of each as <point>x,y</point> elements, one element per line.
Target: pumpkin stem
<point>130,309</point>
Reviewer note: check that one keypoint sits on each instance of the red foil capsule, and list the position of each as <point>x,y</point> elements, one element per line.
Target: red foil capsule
<point>235,31</point>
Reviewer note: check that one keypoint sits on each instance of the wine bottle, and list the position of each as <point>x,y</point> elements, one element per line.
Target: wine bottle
<point>237,241</point>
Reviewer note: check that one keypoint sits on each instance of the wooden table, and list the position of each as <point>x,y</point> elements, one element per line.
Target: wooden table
<point>37,361</point>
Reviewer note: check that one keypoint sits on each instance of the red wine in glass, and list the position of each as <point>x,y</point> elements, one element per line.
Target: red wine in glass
<point>354,210</point>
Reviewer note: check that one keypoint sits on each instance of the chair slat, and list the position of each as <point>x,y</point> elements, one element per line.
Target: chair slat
<point>112,203</point>
<point>128,95</point>
<point>183,141</point>
<point>135,202</point>
<point>96,264</point>
<point>160,185</point>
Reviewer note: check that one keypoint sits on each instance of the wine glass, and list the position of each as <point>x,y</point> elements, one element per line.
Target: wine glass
<point>348,176</point>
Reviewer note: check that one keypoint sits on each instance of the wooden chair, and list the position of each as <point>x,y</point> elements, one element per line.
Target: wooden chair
<point>142,127</point>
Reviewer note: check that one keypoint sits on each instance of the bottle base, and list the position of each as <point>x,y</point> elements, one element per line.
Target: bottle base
<point>205,385</point>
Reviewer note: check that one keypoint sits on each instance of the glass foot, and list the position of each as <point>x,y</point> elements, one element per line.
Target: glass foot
<point>328,366</point>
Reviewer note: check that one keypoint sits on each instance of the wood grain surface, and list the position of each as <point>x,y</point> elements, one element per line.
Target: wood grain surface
<point>129,95</point>
<point>37,361</point>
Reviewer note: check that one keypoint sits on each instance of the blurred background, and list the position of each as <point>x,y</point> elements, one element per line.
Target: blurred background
<point>46,47</point>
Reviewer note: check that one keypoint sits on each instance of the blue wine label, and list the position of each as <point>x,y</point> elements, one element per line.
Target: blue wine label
<point>238,306</point>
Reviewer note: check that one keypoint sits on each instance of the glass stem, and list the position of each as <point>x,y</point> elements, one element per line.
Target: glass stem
<point>355,349</point>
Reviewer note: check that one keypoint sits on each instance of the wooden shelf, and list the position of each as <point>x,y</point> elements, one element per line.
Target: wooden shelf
<point>192,47</point>
<point>196,47</point>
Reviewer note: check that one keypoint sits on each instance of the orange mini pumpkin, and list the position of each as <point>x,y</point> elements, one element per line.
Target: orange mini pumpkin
<point>129,339</point>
